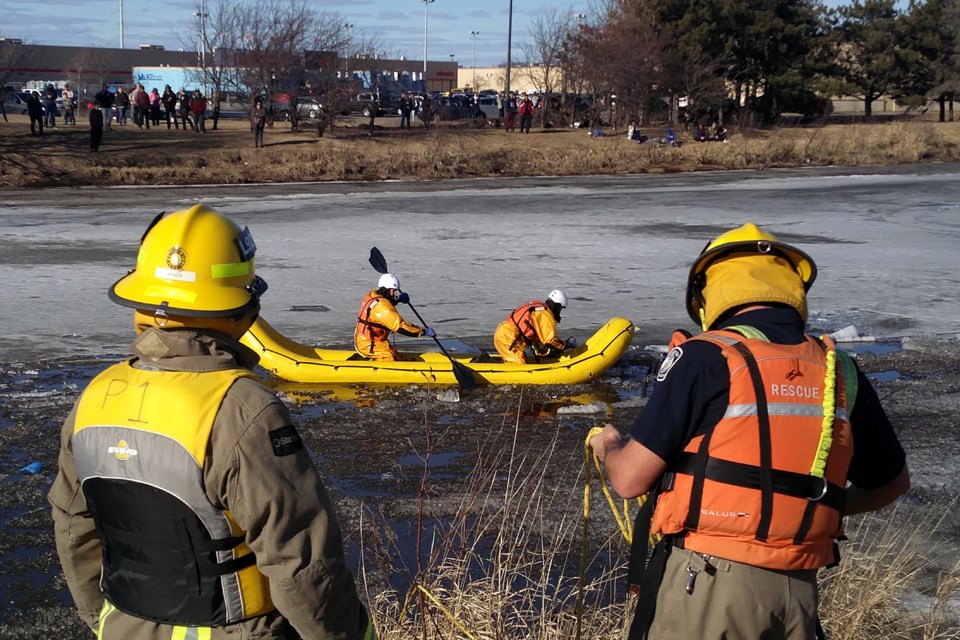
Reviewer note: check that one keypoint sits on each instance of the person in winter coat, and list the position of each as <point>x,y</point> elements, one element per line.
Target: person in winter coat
<point>122,104</point>
<point>198,108</point>
<point>105,100</point>
<point>532,325</point>
<point>35,111</point>
<point>378,318</point>
<point>141,106</point>
<point>169,101</point>
<point>757,440</point>
<point>183,108</point>
<point>69,105</point>
<point>186,506</point>
<point>155,105</point>
<point>525,110</point>
<point>96,129</point>
<point>510,109</point>
<point>258,120</point>
<point>49,102</point>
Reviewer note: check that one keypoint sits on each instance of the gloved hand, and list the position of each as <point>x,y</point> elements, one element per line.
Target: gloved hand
<point>429,332</point>
<point>403,298</point>
<point>571,343</point>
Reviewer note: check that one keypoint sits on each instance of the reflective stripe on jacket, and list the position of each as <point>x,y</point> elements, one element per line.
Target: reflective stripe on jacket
<point>169,555</point>
<point>764,486</point>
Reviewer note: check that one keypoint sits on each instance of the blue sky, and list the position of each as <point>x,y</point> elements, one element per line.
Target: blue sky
<point>399,24</point>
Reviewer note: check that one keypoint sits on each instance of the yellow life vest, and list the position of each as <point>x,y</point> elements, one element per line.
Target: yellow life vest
<point>169,555</point>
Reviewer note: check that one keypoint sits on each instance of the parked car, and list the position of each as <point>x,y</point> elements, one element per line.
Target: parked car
<point>308,107</point>
<point>490,106</point>
<point>367,101</point>
<point>15,102</point>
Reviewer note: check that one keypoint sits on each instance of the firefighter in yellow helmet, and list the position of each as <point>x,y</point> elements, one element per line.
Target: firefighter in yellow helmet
<point>186,505</point>
<point>756,441</point>
<point>378,318</point>
<point>532,325</point>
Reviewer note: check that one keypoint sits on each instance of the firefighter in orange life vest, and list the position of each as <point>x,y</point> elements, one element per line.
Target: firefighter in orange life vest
<point>748,441</point>
<point>186,505</point>
<point>378,318</point>
<point>533,325</point>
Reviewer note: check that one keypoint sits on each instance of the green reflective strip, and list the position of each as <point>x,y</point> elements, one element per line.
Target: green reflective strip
<point>850,379</point>
<point>229,270</point>
<point>104,612</point>
<point>748,332</point>
<point>190,633</point>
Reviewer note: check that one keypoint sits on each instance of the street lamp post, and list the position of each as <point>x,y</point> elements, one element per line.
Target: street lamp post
<point>202,14</point>
<point>121,24</point>
<point>473,35</point>
<point>426,4</point>
<point>506,89</point>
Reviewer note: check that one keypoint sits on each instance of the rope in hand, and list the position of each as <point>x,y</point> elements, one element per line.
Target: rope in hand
<point>623,520</point>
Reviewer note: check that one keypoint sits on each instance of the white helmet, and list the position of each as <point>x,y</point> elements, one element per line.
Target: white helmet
<point>389,281</point>
<point>559,297</point>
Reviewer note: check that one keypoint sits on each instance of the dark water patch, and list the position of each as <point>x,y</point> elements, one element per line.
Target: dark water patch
<point>884,376</point>
<point>874,348</point>
<point>318,308</point>
<point>433,461</point>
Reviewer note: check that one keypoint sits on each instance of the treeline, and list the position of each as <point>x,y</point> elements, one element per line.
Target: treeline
<point>753,59</point>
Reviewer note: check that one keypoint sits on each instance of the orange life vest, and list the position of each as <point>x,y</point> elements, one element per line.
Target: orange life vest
<point>765,486</point>
<point>521,318</point>
<point>376,332</point>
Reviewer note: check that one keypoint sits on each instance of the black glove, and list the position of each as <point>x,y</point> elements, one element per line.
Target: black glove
<point>403,298</point>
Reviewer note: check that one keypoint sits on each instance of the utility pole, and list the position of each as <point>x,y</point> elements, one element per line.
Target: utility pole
<point>473,35</point>
<point>121,24</point>
<point>426,4</point>
<point>506,90</point>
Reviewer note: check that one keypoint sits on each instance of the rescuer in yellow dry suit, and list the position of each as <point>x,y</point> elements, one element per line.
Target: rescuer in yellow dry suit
<point>756,441</point>
<point>186,505</point>
<point>533,325</point>
<point>378,318</point>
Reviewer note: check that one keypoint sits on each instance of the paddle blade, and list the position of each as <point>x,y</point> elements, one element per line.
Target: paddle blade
<point>377,261</point>
<point>463,375</point>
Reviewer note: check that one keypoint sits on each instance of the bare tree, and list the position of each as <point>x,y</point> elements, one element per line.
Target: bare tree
<point>216,35</point>
<point>545,48</point>
<point>13,56</point>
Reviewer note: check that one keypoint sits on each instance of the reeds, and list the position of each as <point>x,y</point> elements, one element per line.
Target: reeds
<point>507,563</point>
<point>227,156</point>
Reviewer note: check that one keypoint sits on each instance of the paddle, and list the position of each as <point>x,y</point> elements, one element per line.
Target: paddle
<point>463,375</point>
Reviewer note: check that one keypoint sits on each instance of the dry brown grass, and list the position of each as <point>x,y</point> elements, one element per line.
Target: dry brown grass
<point>450,150</point>
<point>507,564</point>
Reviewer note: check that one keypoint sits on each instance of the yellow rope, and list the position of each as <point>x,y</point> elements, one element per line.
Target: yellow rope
<point>829,416</point>
<point>446,612</point>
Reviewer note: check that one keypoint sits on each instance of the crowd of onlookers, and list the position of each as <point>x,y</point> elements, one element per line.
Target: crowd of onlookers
<point>109,107</point>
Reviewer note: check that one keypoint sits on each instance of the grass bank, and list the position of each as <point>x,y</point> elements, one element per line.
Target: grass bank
<point>131,156</point>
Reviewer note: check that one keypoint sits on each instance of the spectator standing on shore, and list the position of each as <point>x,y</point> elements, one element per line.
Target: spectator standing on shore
<point>525,110</point>
<point>96,129</point>
<point>69,105</point>
<point>155,107</point>
<point>258,120</point>
<point>104,101</point>
<point>406,108</point>
<point>122,103</point>
<point>510,109</point>
<point>141,106</point>
<point>50,106</point>
<point>198,108</point>
<point>35,111</point>
<point>183,108</point>
<point>169,101</point>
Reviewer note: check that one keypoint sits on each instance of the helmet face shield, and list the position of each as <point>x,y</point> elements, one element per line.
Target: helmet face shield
<point>193,263</point>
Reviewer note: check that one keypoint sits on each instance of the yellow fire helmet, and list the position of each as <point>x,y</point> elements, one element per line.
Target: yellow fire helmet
<point>747,265</point>
<point>194,263</point>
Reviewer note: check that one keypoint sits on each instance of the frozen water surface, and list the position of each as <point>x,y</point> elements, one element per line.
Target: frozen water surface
<point>469,251</point>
